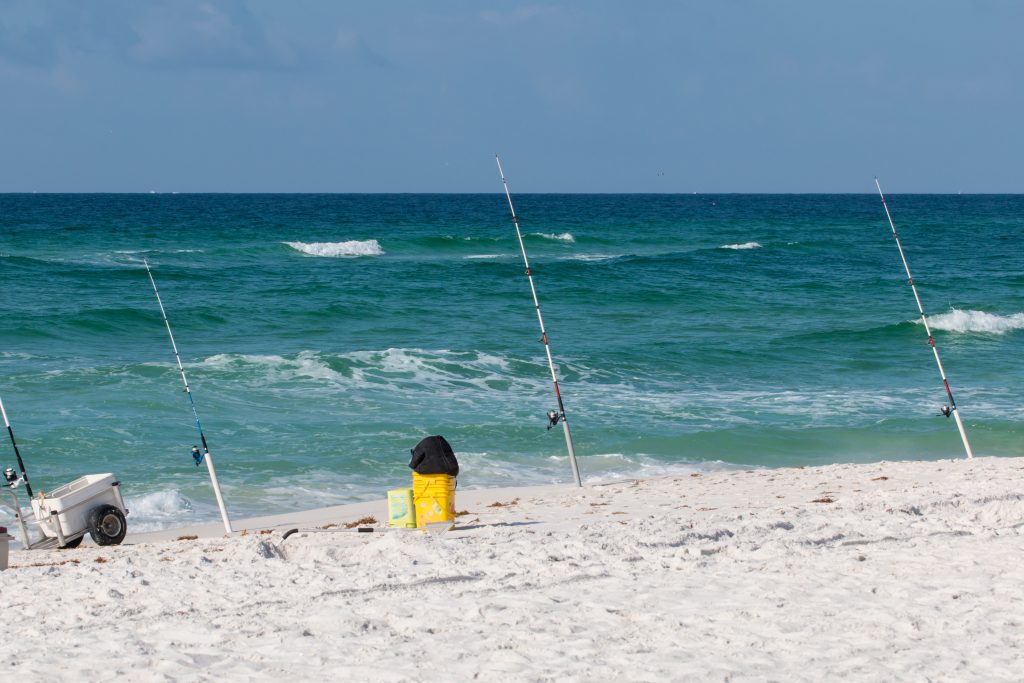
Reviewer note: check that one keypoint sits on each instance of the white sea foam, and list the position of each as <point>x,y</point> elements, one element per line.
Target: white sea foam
<point>474,376</point>
<point>124,258</point>
<point>561,237</point>
<point>130,252</point>
<point>335,249</point>
<point>441,368</point>
<point>745,245</point>
<point>228,359</point>
<point>483,256</point>
<point>158,510</point>
<point>359,379</point>
<point>444,370</point>
<point>957,320</point>
<point>591,257</point>
<point>306,364</point>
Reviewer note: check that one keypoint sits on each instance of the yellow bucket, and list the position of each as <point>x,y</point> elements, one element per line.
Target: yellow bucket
<point>401,511</point>
<point>434,495</point>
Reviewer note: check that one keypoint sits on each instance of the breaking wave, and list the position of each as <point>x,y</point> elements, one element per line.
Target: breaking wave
<point>957,320</point>
<point>335,249</point>
<point>745,245</point>
<point>591,257</point>
<point>159,510</point>
<point>306,365</point>
<point>561,237</point>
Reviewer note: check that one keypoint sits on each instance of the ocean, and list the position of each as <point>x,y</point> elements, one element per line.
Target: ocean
<point>324,335</point>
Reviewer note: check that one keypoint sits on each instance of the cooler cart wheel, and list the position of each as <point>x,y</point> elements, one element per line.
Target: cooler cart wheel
<point>107,525</point>
<point>73,543</point>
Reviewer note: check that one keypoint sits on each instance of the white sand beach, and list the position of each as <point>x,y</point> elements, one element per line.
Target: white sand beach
<point>901,571</point>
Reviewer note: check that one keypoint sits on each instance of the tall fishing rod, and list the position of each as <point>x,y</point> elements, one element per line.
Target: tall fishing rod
<point>951,408</point>
<point>553,417</point>
<point>17,453</point>
<point>196,455</point>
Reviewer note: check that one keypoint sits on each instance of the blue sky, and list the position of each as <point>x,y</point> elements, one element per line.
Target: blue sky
<point>587,96</point>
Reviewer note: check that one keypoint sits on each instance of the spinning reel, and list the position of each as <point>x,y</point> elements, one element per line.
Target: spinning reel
<point>12,477</point>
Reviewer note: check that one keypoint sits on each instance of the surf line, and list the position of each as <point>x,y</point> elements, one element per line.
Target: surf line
<point>196,455</point>
<point>553,416</point>
<point>951,408</point>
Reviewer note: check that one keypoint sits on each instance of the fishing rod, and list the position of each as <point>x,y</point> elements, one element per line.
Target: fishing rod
<point>553,416</point>
<point>17,453</point>
<point>196,455</point>
<point>951,408</point>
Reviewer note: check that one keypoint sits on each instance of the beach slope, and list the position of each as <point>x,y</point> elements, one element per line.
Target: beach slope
<point>886,571</point>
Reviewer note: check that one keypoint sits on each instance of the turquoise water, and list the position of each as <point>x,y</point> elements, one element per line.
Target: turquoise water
<point>324,335</point>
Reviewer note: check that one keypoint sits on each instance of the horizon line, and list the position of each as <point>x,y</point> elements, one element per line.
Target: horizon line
<point>498,192</point>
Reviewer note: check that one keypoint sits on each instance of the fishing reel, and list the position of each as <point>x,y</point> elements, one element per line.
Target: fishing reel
<point>197,455</point>
<point>945,410</point>
<point>12,478</point>
<point>553,417</point>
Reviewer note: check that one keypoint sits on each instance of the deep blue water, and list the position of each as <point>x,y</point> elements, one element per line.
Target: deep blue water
<point>324,335</point>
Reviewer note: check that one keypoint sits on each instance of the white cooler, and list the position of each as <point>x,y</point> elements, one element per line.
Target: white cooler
<point>69,505</point>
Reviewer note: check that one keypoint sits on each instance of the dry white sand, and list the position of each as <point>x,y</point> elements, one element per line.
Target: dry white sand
<point>901,571</point>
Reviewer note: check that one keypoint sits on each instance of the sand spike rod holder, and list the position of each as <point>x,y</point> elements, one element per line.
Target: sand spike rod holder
<point>560,415</point>
<point>199,427</point>
<point>927,329</point>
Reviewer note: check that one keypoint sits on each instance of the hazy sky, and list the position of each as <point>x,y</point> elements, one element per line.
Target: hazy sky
<point>585,96</point>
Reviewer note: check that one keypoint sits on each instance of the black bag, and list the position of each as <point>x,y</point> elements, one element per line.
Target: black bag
<point>434,455</point>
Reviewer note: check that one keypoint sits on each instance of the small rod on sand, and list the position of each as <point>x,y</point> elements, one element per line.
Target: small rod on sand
<point>199,427</point>
<point>927,329</point>
<point>17,453</point>
<point>554,417</point>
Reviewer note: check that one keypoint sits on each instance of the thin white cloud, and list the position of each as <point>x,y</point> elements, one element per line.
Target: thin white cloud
<point>222,35</point>
<point>349,43</point>
<point>159,33</point>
